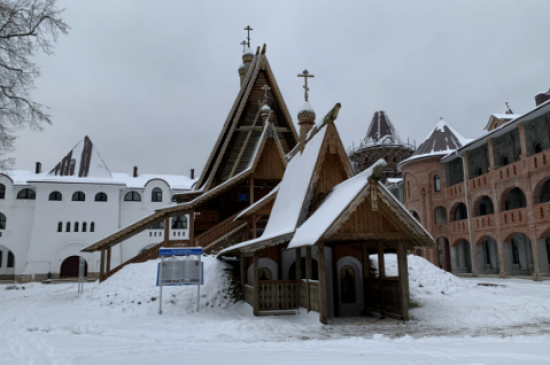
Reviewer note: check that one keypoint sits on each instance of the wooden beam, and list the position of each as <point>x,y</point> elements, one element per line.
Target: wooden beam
<point>261,129</point>
<point>256,284</point>
<point>298,276</point>
<point>245,143</point>
<point>403,280</point>
<point>366,274</point>
<point>381,275</point>
<point>322,284</point>
<point>243,275</point>
<point>254,220</point>
<point>192,228</point>
<point>102,266</point>
<point>308,275</point>
<point>108,260</point>
<point>166,231</point>
<point>251,196</point>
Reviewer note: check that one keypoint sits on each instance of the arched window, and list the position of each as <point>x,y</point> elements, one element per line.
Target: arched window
<point>437,183</point>
<point>79,196</point>
<point>76,226</point>
<point>179,222</point>
<point>55,196</point>
<point>545,192</point>
<point>440,215</point>
<point>159,225</point>
<point>132,196</point>
<point>479,171</point>
<point>26,194</point>
<point>60,227</point>
<point>68,227</point>
<point>84,226</point>
<point>515,252</point>
<point>101,197</point>
<point>2,191</point>
<point>92,227</point>
<point>504,160</point>
<point>486,206</point>
<point>11,259</point>
<point>174,199</point>
<point>515,200</point>
<point>461,212</point>
<point>264,274</point>
<point>156,195</point>
<point>537,147</point>
<point>416,216</point>
<point>2,221</point>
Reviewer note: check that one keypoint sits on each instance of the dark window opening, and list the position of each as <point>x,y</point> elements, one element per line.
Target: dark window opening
<point>60,227</point>
<point>347,284</point>
<point>132,196</point>
<point>158,225</point>
<point>79,196</point>
<point>515,199</point>
<point>461,212</point>
<point>55,196</point>
<point>479,171</point>
<point>537,147</point>
<point>2,191</point>
<point>11,259</point>
<point>156,195</point>
<point>68,227</point>
<point>487,252</point>
<point>76,226</point>
<point>179,222</point>
<point>548,249</point>
<point>515,252</point>
<point>437,183</point>
<point>545,192</point>
<point>486,206</point>
<point>92,227</point>
<point>504,161</point>
<point>314,270</point>
<point>101,197</point>
<point>26,194</point>
<point>2,221</point>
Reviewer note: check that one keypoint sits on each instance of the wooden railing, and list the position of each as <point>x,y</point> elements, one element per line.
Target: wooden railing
<point>216,233</point>
<point>249,294</point>
<point>515,216</point>
<point>278,295</point>
<point>383,295</point>
<point>204,219</point>
<point>150,254</point>
<point>313,295</point>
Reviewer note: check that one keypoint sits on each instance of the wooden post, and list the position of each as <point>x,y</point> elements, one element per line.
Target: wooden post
<point>166,232</point>
<point>102,266</point>
<point>108,260</point>
<point>256,284</point>
<point>254,226</point>
<point>251,197</point>
<point>298,276</point>
<point>366,274</point>
<point>322,284</point>
<point>243,277</point>
<point>308,275</point>
<point>381,275</point>
<point>192,228</point>
<point>403,280</point>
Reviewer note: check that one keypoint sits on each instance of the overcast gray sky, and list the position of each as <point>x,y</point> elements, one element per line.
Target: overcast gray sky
<point>151,82</point>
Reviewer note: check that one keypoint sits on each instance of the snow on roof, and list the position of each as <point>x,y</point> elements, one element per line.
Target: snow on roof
<point>505,116</point>
<point>306,107</point>
<point>333,206</point>
<point>249,51</point>
<point>292,193</point>
<point>442,140</point>
<point>381,130</point>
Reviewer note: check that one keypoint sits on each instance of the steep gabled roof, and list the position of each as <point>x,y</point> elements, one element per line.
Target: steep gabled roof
<point>293,196</point>
<point>381,131</point>
<point>232,150</point>
<point>344,199</point>
<point>82,161</point>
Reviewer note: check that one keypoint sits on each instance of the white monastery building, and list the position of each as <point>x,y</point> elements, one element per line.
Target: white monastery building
<point>46,218</point>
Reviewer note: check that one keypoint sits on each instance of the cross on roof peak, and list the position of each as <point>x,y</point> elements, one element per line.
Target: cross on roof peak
<point>266,88</point>
<point>305,74</point>
<point>248,29</point>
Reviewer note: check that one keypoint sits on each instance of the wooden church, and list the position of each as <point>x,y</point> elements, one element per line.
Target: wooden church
<point>290,208</point>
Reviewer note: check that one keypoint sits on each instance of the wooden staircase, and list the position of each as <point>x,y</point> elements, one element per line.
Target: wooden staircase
<point>211,241</point>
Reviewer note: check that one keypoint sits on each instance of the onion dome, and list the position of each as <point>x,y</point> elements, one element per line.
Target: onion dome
<point>248,55</point>
<point>265,112</point>
<point>306,115</point>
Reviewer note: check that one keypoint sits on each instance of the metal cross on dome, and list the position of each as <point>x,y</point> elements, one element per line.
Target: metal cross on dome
<point>248,29</point>
<point>266,89</point>
<point>305,75</point>
<point>243,43</point>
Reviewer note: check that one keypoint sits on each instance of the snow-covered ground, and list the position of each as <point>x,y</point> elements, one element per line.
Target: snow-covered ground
<point>456,321</point>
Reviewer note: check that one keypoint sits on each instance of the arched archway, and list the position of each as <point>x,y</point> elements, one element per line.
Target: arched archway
<point>518,257</point>
<point>349,278</point>
<point>69,267</point>
<point>460,212</point>
<point>266,267</point>
<point>314,269</point>
<point>515,199</point>
<point>440,215</point>
<point>544,194</point>
<point>485,206</point>
<point>461,257</point>
<point>487,256</point>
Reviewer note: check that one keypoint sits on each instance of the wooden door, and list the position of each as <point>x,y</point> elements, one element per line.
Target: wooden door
<point>69,268</point>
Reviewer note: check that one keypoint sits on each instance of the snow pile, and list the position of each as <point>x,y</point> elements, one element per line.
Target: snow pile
<point>441,299</point>
<point>134,289</point>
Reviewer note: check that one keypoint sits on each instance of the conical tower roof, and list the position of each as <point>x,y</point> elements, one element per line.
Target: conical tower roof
<point>381,130</point>
<point>82,161</point>
<point>442,140</point>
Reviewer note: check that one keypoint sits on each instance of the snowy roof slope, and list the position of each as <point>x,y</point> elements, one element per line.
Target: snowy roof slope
<point>381,130</point>
<point>292,193</point>
<point>333,206</point>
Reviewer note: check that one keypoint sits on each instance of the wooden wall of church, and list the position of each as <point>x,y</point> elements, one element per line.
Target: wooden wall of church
<point>270,166</point>
<point>364,220</point>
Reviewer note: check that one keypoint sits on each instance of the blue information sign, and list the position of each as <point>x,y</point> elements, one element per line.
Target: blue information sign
<point>192,251</point>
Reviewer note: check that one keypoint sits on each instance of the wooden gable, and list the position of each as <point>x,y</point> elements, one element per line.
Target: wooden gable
<point>235,146</point>
<point>270,165</point>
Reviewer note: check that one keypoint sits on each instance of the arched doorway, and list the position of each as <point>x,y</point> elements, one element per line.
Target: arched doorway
<point>444,253</point>
<point>461,257</point>
<point>314,270</point>
<point>349,277</point>
<point>461,212</point>
<point>487,256</point>
<point>69,267</point>
<point>7,264</point>
<point>518,257</point>
<point>267,268</point>
<point>515,199</point>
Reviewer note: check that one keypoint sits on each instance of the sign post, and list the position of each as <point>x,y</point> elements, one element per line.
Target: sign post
<point>180,272</point>
<point>81,271</point>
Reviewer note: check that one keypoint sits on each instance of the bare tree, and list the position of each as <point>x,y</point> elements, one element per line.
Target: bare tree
<point>27,27</point>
